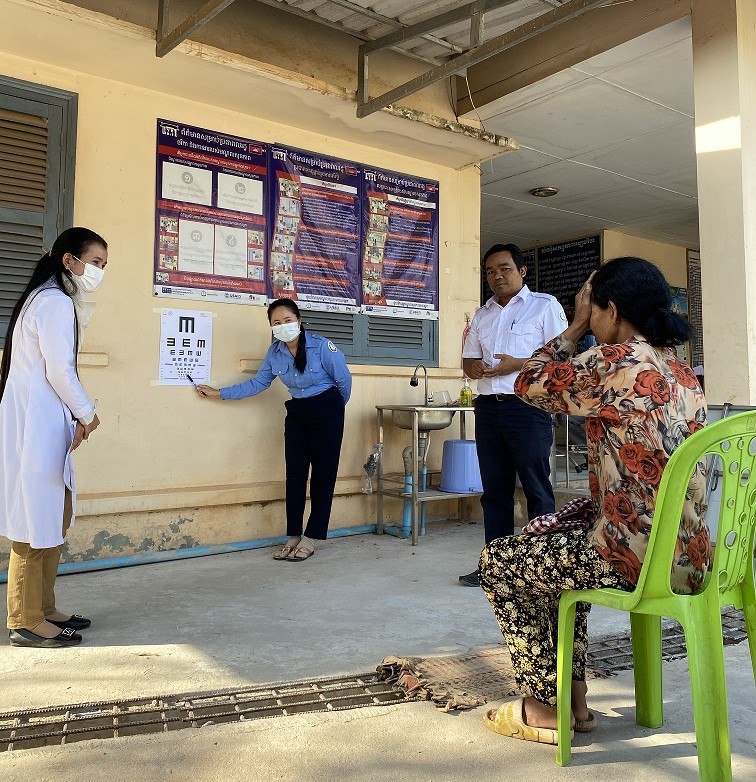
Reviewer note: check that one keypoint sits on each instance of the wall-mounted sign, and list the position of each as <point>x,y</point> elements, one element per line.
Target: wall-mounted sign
<point>399,245</point>
<point>564,267</point>
<point>210,220</point>
<point>315,230</point>
<point>239,221</point>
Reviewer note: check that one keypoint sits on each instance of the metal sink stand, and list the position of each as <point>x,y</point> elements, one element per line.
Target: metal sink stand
<point>416,496</point>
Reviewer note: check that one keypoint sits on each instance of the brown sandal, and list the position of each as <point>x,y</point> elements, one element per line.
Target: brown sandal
<point>300,553</point>
<point>285,550</point>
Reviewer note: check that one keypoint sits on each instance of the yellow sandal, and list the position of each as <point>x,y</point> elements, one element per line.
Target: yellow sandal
<point>509,720</point>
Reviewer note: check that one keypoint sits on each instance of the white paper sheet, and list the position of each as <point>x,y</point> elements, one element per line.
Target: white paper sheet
<point>184,183</point>
<point>196,242</point>
<point>230,251</point>
<point>240,194</point>
<point>186,346</point>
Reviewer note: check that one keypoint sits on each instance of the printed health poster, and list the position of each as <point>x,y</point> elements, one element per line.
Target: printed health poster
<point>211,221</point>
<point>400,245</point>
<point>315,230</point>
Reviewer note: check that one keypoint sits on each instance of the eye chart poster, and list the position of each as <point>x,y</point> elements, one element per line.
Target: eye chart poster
<point>211,215</point>
<point>186,347</point>
<point>400,245</point>
<point>315,230</point>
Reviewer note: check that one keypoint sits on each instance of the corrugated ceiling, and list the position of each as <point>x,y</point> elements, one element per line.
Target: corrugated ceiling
<point>371,20</point>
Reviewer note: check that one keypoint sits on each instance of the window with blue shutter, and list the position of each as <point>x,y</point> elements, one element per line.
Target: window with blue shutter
<point>37,130</point>
<point>370,339</point>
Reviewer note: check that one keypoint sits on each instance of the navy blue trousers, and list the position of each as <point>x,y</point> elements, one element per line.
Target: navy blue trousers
<point>313,432</point>
<point>512,438</point>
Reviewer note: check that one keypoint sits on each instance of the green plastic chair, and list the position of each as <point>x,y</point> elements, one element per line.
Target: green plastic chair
<point>731,583</point>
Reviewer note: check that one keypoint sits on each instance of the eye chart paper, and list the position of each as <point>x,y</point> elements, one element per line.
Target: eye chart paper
<point>186,346</point>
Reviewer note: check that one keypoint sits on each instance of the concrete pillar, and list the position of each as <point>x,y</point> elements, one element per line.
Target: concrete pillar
<point>724,70</point>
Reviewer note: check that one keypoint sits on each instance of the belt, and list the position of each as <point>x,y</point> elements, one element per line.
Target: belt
<point>498,397</point>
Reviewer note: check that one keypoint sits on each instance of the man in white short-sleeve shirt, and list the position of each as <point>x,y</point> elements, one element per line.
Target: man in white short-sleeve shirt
<point>512,438</point>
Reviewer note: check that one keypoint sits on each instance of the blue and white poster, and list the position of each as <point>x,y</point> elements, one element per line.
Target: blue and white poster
<point>399,245</point>
<point>315,230</point>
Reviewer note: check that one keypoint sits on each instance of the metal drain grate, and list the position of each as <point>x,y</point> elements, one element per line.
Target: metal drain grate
<point>614,653</point>
<point>112,719</point>
<point>160,714</point>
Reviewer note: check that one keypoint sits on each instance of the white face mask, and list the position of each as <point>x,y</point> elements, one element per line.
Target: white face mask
<point>91,278</point>
<point>286,332</point>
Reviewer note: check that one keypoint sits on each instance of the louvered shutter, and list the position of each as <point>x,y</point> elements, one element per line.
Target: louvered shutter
<point>400,338</point>
<point>31,188</point>
<point>369,339</point>
<point>339,327</point>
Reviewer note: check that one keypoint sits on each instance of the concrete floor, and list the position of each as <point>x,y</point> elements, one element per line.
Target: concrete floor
<point>240,619</point>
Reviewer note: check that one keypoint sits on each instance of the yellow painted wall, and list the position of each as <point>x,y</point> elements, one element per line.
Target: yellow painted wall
<point>166,469</point>
<point>672,260</point>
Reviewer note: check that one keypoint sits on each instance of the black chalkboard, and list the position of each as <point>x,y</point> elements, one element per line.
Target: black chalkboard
<point>564,267</point>
<point>530,277</point>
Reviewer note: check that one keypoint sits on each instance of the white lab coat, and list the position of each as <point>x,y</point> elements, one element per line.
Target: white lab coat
<point>42,398</point>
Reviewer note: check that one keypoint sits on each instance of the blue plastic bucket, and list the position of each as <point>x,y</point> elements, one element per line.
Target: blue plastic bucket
<point>460,472</point>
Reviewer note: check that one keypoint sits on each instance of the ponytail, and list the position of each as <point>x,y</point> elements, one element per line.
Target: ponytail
<point>666,328</point>
<point>50,267</point>
<point>300,360</point>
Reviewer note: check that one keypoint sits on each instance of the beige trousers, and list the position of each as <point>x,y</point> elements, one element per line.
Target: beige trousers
<point>31,579</point>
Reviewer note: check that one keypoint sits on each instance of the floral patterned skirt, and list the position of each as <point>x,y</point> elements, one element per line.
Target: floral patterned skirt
<point>523,577</point>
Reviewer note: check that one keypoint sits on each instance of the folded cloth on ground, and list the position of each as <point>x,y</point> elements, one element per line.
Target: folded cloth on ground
<point>404,673</point>
<point>459,681</point>
<point>576,514</point>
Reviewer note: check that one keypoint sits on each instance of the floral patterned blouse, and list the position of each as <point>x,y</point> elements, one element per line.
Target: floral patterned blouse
<point>640,403</point>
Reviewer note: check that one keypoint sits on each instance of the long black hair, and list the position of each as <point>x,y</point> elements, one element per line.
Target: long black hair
<point>300,360</point>
<point>642,296</point>
<point>50,266</point>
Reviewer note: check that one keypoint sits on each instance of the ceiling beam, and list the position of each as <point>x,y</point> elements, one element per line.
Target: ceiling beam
<point>445,19</point>
<point>167,41</point>
<point>366,106</point>
<point>570,44</point>
<point>391,22</point>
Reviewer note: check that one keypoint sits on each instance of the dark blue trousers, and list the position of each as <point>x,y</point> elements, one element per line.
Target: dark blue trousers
<point>512,438</point>
<point>313,431</point>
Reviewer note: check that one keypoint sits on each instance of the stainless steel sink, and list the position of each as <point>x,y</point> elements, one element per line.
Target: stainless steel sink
<point>428,418</point>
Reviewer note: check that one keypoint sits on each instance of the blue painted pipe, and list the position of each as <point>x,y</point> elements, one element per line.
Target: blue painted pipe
<point>422,506</point>
<point>150,557</point>
<point>407,514</point>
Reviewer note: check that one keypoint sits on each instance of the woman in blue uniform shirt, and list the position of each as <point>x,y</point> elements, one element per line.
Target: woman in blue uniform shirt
<point>316,374</point>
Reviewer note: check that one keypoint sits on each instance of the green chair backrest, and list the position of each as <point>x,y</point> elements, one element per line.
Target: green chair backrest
<point>733,440</point>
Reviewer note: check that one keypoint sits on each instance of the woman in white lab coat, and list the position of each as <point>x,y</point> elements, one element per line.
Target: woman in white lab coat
<point>44,415</point>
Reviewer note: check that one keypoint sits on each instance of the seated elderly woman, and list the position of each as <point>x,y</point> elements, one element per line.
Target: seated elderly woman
<point>640,403</point>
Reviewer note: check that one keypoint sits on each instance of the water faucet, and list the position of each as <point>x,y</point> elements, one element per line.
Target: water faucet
<point>414,382</point>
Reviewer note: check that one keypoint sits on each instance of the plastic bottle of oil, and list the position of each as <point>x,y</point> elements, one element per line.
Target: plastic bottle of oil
<point>466,395</point>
